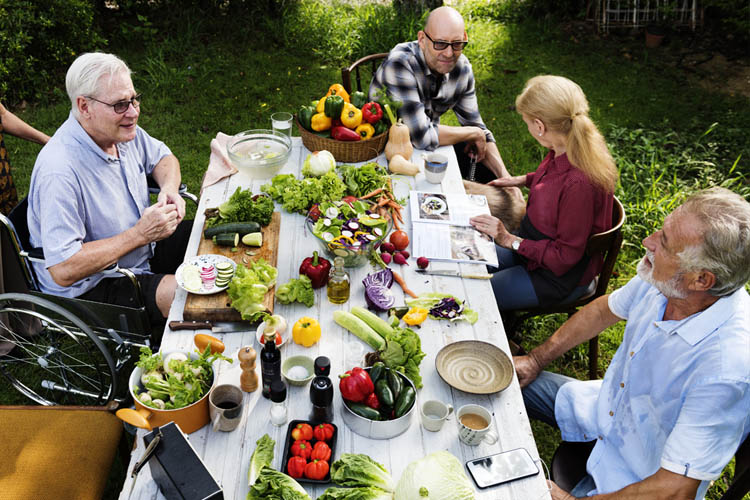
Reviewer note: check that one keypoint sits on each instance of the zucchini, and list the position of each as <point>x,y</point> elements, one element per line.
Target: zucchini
<point>227,239</point>
<point>405,401</point>
<point>373,320</point>
<point>395,382</point>
<point>242,228</point>
<point>364,411</point>
<point>360,329</point>
<point>377,371</point>
<point>384,393</point>
<point>253,239</point>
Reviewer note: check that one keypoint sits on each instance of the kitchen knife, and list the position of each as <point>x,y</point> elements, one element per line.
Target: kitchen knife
<point>215,327</point>
<point>458,274</point>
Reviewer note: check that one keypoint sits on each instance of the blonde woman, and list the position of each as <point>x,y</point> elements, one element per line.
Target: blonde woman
<point>570,198</point>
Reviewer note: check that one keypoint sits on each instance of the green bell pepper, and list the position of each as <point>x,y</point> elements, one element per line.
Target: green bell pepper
<point>380,126</point>
<point>305,115</point>
<point>333,106</point>
<point>359,99</point>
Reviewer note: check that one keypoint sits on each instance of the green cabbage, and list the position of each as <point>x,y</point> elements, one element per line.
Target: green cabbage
<point>438,476</point>
<point>263,455</point>
<point>318,163</point>
<point>360,470</point>
<point>249,286</point>
<point>275,485</point>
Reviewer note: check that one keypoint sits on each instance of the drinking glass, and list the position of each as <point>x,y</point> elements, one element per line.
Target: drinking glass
<point>282,122</point>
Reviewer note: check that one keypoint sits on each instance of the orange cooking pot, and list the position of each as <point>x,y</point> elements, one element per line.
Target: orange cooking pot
<point>190,418</point>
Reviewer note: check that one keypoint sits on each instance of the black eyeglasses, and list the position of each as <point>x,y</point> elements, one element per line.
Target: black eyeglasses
<point>439,45</point>
<point>121,106</point>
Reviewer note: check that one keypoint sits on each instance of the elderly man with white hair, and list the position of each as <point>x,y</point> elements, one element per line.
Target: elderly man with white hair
<point>674,405</point>
<point>89,206</point>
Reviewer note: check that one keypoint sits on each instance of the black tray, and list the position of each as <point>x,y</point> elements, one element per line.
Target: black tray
<point>288,450</point>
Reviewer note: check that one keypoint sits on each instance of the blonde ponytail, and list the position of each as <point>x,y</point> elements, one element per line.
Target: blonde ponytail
<point>562,106</point>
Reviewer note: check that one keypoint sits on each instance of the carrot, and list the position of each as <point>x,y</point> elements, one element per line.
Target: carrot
<point>397,215</point>
<point>402,284</point>
<point>383,201</point>
<point>371,194</point>
<point>394,205</point>
<point>395,224</point>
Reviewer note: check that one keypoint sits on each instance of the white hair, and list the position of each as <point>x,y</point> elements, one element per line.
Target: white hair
<point>84,77</point>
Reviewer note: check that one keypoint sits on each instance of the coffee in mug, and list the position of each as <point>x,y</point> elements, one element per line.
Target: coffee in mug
<point>225,407</point>
<point>474,425</point>
<point>474,421</point>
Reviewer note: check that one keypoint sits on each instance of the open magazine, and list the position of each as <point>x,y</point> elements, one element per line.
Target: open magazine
<point>441,229</point>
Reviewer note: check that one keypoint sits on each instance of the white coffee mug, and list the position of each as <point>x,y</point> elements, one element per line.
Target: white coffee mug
<point>474,424</point>
<point>434,413</point>
<point>435,166</point>
<point>225,407</point>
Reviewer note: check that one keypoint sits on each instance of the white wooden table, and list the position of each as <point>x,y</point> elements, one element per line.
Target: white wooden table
<point>227,454</point>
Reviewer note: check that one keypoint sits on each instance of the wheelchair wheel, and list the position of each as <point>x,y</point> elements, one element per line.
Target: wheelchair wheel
<point>55,358</point>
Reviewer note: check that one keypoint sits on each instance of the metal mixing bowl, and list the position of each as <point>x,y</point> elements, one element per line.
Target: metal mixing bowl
<point>259,153</point>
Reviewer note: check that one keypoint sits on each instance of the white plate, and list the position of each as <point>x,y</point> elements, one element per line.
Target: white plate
<point>440,206</point>
<point>201,261</point>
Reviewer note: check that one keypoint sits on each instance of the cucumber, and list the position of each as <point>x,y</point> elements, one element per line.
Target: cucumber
<point>405,401</point>
<point>395,382</point>
<point>381,327</point>
<point>227,239</point>
<point>383,392</point>
<point>242,228</point>
<point>360,329</point>
<point>364,411</point>
<point>253,239</point>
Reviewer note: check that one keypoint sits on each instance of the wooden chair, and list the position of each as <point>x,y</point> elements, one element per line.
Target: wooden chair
<point>569,467</point>
<point>346,73</point>
<point>58,451</point>
<point>606,244</point>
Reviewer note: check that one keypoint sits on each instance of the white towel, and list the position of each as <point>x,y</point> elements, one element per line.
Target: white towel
<point>219,165</point>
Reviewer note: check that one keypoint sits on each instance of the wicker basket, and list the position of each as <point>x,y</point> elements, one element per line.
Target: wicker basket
<point>344,151</point>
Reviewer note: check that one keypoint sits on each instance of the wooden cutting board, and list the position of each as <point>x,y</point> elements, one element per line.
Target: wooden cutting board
<point>217,307</point>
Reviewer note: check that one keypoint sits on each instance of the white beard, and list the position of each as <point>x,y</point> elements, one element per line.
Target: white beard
<point>671,288</point>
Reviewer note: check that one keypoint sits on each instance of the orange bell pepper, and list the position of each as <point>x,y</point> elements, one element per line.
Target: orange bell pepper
<point>338,89</point>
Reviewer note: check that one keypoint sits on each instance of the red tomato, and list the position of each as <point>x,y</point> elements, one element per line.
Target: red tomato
<point>278,339</point>
<point>399,239</point>
<point>303,432</point>
<point>314,213</point>
<point>349,199</point>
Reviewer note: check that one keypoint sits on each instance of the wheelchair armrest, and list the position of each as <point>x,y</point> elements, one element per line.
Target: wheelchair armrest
<point>114,270</point>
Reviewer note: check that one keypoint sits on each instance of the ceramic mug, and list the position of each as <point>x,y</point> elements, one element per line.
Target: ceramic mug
<point>225,407</point>
<point>474,424</point>
<point>434,413</point>
<point>435,166</point>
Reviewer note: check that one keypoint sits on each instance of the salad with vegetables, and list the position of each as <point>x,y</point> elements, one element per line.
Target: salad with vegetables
<point>347,227</point>
<point>174,381</point>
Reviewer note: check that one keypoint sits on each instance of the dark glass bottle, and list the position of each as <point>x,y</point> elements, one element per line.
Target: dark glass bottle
<point>270,363</point>
<point>321,391</point>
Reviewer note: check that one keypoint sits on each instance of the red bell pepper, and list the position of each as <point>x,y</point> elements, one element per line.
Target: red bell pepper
<point>372,401</point>
<point>344,134</point>
<point>302,431</point>
<point>323,432</point>
<point>302,448</point>
<point>321,451</point>
<point>372,113</point>
<point>296,466</point>
<point>317,469</point>
<point>317,269</point>
<point>355,385</point>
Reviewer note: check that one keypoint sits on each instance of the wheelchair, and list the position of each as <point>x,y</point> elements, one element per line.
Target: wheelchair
<point>59,350</point>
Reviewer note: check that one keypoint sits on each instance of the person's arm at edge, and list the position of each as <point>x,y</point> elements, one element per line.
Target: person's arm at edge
<point>662,485</point>
<point>19,128</point>
<point>167,175</point>
<point>587,323</point>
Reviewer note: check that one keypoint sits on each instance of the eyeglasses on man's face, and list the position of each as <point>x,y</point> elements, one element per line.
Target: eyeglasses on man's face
<point>121,106</point>
<point>441,45</point>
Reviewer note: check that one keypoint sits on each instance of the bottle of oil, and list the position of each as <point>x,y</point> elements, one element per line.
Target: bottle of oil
<point>270,363</point>
<point>338,283</point>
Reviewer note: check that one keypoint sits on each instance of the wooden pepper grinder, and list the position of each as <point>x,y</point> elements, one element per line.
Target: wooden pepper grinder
<point>248,378</point>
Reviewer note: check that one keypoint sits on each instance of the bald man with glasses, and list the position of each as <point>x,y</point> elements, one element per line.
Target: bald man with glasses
<point>89,205</point>
<point>431,76</point>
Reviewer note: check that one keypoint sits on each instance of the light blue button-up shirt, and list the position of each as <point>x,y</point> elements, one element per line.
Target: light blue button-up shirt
<point>676,395</point>
<point>79,193</point>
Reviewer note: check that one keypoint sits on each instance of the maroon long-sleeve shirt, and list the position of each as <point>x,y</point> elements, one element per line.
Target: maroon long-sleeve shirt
<point>564,205</point>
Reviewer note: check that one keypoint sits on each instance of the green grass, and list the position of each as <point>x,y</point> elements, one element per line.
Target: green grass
<point>668,135</point>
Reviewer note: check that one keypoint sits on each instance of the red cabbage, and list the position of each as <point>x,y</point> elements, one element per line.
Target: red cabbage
<point>377,290</point>
<point>382,278</point>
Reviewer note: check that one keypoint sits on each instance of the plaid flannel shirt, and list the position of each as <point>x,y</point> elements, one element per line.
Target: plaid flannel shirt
<point>427,95</point>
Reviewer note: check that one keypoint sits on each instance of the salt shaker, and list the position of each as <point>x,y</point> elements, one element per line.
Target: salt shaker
<point>278,403</point>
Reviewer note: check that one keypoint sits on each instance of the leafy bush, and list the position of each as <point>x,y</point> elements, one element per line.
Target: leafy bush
<point>40,40</point>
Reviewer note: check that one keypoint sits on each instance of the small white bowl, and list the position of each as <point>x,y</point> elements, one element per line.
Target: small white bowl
<point>300,360</point>
<point>259,335</point>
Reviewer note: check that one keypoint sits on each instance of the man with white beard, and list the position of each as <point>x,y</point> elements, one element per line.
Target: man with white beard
<point>674,404</point>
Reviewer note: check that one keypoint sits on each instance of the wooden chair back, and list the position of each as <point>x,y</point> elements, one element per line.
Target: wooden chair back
<point>367,65</point>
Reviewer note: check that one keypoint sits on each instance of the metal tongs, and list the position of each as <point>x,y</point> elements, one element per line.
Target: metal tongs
<point>150,449</point>
<point>472,166</point>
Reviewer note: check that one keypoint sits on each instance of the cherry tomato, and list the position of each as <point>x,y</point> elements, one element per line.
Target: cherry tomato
<point>278,339</point>
<point>349,199</point>
<point>399,239</point>
<point>314,213</point>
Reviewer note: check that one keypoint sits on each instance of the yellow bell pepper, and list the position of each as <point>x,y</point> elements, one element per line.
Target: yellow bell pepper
<point>365,131</point>
<point>338,89</point>
<point>351,117</point>
<point>321,106</point>
<point>321,122</point>
<point>415,316</point>
<point>306,331</point>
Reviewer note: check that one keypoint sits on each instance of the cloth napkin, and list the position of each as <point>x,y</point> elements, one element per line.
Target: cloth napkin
<point>219,165</point>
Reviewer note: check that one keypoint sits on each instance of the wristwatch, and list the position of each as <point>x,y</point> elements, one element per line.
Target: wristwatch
<point>516,244</point>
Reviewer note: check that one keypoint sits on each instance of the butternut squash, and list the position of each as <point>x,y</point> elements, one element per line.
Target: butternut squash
<point>399,165</point>
<point>399,142</point>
